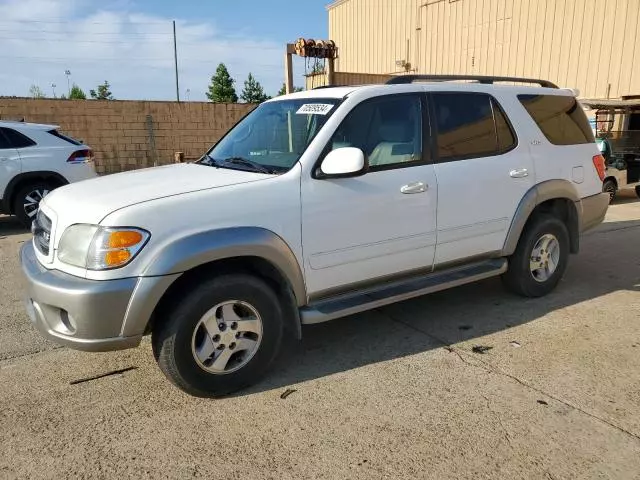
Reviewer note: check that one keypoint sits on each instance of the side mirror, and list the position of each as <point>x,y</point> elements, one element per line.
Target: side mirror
<point>343,162</point>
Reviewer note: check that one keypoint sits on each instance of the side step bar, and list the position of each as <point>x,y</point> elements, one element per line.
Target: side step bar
<point>355,302</point>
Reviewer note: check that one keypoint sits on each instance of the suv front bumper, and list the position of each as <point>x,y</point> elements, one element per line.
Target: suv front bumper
<point>86,314</point>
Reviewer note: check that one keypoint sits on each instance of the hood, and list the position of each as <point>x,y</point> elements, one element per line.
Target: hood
<point>90,201</point>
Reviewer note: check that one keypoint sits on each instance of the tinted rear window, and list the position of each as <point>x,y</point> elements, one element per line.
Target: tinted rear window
<point>15,139</point>
<point>73,141</point>
<point>560,118</point>
<point>470,125</point>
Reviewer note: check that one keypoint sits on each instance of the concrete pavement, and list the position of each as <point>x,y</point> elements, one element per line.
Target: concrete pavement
<point>394,393</point>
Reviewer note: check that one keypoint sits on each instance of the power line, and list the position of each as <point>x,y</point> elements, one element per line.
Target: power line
<point>76,22</point>
<point>73,32</point>
<point>74,41</point>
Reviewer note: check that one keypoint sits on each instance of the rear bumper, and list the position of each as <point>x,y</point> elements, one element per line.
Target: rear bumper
<point>594,209</point>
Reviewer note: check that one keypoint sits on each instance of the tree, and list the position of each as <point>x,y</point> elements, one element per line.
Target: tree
<point>36,92</point>
<point>76,93</point>
<point>283,90</point>
<point>253,91</point>
<point>103,92</point>
<point>221,89</point>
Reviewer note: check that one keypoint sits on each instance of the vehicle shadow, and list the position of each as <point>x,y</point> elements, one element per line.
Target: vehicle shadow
<point>608,262</point>
<point>11,226</point>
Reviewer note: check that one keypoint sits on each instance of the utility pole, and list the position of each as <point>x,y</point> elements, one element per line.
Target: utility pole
<point>175,60</point>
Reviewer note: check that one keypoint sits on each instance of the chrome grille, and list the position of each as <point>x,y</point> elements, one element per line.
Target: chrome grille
<point>41,228</point>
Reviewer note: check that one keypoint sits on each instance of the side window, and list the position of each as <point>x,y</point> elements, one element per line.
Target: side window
<point>16,139</point>
<point>560,118</point>
<point>506,137</point>
<point>387,129</point>
<point>4,141</point>
<point>465,126</point>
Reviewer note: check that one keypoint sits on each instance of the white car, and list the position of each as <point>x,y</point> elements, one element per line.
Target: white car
<point>315,206</point>
<point>35,159</point>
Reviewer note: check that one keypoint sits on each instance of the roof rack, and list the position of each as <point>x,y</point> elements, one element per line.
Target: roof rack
<point>405,79</point>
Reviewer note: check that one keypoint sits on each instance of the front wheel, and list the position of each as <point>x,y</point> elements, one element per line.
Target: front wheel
<point>638,191</point>
<point>220,337</point>
<point>540,258</point>
<point>27,201</point>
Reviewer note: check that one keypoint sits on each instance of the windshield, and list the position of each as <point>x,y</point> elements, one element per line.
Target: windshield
<point>273,137</point>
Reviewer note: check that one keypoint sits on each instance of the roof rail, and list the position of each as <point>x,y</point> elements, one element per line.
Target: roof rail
<point>404,79</point>
<point>327,86</point>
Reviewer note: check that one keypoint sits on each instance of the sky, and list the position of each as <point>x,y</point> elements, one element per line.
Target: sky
<point>130,44</point>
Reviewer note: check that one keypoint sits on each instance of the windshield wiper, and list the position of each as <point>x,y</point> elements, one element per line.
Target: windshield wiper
<point>209,160</point>
<point>258,167</point>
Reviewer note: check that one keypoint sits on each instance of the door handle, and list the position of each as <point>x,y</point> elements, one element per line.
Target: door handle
<point>519,173</point>
<point>415,187</point>
<point>4,159</point>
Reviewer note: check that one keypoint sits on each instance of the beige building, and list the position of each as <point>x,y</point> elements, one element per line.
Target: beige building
<point>591,45</point>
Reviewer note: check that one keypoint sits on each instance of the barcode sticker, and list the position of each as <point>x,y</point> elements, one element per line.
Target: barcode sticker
<point>314,109</point>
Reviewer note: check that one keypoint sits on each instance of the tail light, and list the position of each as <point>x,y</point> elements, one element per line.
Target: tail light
<point>598,162</point>
<point>81,156</point>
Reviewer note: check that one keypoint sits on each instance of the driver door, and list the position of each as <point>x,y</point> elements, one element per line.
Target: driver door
<point>383,223</point>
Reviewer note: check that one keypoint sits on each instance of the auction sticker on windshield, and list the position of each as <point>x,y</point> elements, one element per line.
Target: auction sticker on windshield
<point>315,109</point>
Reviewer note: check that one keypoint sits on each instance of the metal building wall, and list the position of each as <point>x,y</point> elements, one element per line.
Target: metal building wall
<point>591,45</point>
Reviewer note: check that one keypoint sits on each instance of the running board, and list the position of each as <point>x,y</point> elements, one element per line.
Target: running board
<point>355,302</point>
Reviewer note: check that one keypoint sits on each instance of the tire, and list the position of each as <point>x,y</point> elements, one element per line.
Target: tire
<point>609,186</point>
<point>27,200</point>
<point>182,341</point>
<point>638,191</point>
<point>520,278</point>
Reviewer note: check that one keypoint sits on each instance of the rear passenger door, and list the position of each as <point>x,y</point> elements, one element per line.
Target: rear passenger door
<point>482,171</point>
<point>10,164</point>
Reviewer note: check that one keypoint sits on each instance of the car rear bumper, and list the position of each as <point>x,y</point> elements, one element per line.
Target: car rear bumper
<point>594,209</point>
<point>76,312</point>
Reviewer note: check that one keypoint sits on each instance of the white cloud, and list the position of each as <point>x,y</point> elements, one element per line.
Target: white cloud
<point>132,50</point>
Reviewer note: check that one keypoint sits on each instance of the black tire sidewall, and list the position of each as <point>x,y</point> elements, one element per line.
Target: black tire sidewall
<point>18,205</point>
<point>614,186</point>
<point>172,340</point>
<point>519,268</point>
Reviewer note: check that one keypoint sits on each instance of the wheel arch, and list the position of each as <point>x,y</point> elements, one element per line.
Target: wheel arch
<point>26,178</point>
<point>251,250</point>
<point>557,197</point>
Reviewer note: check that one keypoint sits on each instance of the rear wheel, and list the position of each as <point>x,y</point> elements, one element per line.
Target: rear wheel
<point>540,259</point>
<point>638,191</point>
<point>27,201</point>
<point>610,187</point>
<point>221,337</point>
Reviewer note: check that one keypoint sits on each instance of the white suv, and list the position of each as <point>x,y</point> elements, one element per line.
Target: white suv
<point>315,206</point>
<point>35,159</point>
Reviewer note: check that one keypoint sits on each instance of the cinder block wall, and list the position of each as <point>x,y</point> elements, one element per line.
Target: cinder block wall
<point>122,135</point>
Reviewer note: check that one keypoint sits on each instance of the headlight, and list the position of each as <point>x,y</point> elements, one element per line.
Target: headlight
<point>100,248</point>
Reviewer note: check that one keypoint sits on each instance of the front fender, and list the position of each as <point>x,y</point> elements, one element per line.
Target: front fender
<point>198,249</point>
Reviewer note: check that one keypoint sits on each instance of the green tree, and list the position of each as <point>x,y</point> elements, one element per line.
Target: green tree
<point>103,93</point>
<point>36,92</point>
<point>283,90</point>
<point>76,93</point>
<point>253,91</point>
<point>221,89</point>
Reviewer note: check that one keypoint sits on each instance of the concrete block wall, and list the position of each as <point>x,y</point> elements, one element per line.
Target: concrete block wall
<point>120,133</point>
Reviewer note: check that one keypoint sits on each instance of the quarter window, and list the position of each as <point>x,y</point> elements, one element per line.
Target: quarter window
<point>387,129</point>
<point>470,125</point>
<point>560,118</point>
